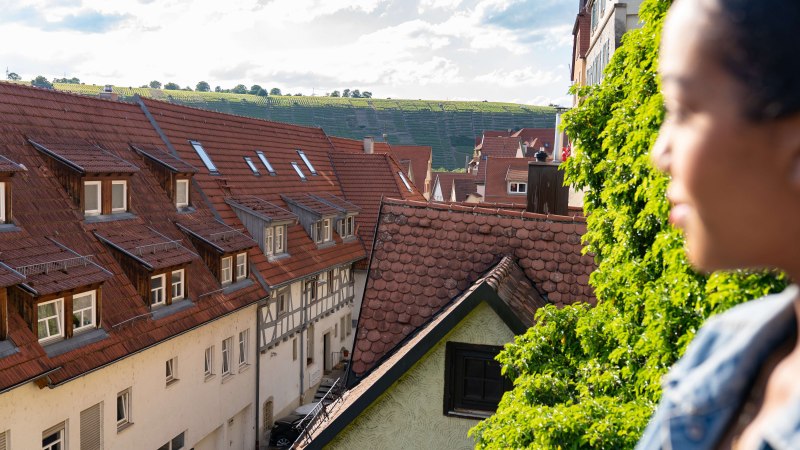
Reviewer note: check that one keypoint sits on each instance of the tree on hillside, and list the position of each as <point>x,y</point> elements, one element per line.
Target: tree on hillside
<point>13,76</point>
<point>155,84</point>
<point>239,89</point>
<point>41,82</point>
<point>590,377</point>
<point>73,80</point>
<point>217,89</point>
<point>254,89</point>
<point>203,86</point>
<point>275,91</point>
<point>355,94</point>
<point>172,86</point>
<point>366,94</point>
<point>187,88</point>
<point>335,94</point>
<point>346,93</point>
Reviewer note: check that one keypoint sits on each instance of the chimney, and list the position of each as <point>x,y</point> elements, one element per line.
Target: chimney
<point>369,145</point>
<point>546,191</point>
<point>108,93</point>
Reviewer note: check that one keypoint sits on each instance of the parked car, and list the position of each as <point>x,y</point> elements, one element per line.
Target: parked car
<point>304,410</point>
<point>286,430</point>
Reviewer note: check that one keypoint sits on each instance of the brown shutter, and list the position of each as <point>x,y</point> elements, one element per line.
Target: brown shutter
<point>92,428</point>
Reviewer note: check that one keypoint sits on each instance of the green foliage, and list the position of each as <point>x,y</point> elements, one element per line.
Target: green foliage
<point>13,76</point>
<point>336,94</point>
<point>42,82</point>
<point>590,377</point>
<point>275,91</point>
<point>155,84</point>
<point>203,86</point>
<point>73,80</point>
<point>239,89</point>
<point>172,86</point>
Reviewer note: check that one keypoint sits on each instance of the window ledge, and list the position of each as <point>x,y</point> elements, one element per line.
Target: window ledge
<point>172,381</point>
<point>470,414</point>
<point>244,367</point>
<point>185,209</point>
<point>350,238</point>
<point>227,289</point>
<point>210,377</point>
<point>124,426</point>
<point>77,341</point>
<point>326,244</point>
<point>227,377</point>
<point>9,228</point>
<point>110,217</point>
<point>7,348</point>
<point>273,258</point>
<point>168,310</point>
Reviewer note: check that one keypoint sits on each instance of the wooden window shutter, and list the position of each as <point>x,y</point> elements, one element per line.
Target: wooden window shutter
<point>4,440</point>
<point>92,428</point>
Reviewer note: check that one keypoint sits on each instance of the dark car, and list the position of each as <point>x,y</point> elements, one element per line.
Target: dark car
<point>286,430</point>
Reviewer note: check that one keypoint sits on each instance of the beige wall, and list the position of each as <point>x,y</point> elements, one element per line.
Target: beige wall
<point>194,405</point>
<point>409,415</point>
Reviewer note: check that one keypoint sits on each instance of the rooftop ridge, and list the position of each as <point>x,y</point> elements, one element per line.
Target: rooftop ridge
<point>478,209</point>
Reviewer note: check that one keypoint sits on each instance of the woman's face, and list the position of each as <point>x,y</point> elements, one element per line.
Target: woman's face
<point>729,176</point>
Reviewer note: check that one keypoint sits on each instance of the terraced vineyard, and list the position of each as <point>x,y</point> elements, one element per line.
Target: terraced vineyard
<point>449,127</point>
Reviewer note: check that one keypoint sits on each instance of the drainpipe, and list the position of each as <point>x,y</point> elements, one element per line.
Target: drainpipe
<point>258,369</point>
<point>301,343</point>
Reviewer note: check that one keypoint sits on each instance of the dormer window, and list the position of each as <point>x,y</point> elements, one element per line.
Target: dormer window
<point>178,286</point>
<point>347,226</point>
<point>52,324</point>
<point>233,268</point>
<point>3,214</point>
<point>275,240</point>
<point>50,317</point>
<point>92,198</point>
<point>307,162</point>
<point>157,290</point>
<point>322,231</point>
<point>241,266</point>
<point>226,271</point>
<point>7,170</point>
<point>181,193</point>
<point>516,187</point>
<point>119,196</point>
<point>83,311</point>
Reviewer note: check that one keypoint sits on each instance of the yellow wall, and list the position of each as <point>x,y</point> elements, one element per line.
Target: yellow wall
<point>409,414</point>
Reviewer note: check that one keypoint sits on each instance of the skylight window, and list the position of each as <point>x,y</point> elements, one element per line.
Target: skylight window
<point>299,172</point>
<point>307,162</point>
<point>403,177</point>
<point>265,162</point>
<point>250,164</point>
<point>201,152</point>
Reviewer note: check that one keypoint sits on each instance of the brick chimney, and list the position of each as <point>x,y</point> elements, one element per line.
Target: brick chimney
<point>369,145</point>
<point>546,191</point>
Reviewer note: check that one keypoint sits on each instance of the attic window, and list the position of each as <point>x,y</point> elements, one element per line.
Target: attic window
<point>307,162</point>
<point>91,198</point>
<point>119,196</point>
<point>201,152</point>
<point>299,172</point>
<point>405,181</point>
<point>181,193</point>
<point>265,162</point>
<point>250,164</point>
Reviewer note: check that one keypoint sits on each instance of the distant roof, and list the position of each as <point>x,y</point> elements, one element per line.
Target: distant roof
<point>501,146</point>
<point>311,204</point>
<point>215,233</point>
<point>337,202</point>
<point>145,245</point>
<point>426,254</point>
<point>261,208</point>
<point>543,137</point>
<point>81,155</point>
<point>164,158</point>
<point>499,171</point>
<point>446,179</point>
<point>464,187</point>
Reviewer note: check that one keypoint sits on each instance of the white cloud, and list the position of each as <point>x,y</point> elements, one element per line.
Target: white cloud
<point>526,76</point>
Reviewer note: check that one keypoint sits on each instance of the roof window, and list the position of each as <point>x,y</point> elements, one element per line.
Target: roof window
<point>307,162</point>
<point>405,181</point>
<point>299,172</point>
<point>250,164</point>
<point>265,162</point>
<point>201,152</point>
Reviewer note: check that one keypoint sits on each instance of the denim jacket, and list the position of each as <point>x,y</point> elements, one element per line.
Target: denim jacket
<point>705,389</point>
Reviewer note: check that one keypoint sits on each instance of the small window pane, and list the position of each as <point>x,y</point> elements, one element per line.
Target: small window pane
<point>91,197</point>
<point>157,290</point>
<point>118,196</point>
<point>83,311</point>
<point>405,181</point>
<point>265,161</point>
<point>201,152</point>
<point>250,164</point>
<point>307,162</point>
<point>182,193</point>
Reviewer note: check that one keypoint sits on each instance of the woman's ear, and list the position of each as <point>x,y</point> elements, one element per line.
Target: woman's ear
<point>789,149</point>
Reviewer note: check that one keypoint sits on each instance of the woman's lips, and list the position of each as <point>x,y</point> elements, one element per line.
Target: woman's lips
<point>678,214</point>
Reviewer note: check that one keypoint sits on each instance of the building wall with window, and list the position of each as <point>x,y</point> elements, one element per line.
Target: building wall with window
<point>609,21</point>
<point>415,402</point>
<point>156,410</point>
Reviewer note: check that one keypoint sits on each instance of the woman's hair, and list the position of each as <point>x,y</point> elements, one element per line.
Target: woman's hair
<point>760,39</point>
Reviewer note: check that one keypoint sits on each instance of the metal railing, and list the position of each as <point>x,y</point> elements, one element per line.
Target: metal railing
<point>224,235</point>
<point>319,414</point>
<point>157,247</point>
<point>47,267</point>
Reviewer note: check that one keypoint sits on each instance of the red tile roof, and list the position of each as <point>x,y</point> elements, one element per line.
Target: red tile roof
<point>80,155</point>
<point>144,245</point>
<point>9,166</point>
<point>9,276</point>
<point>500,146</point>
<point>464,187</point>
<point>426,254</point>
<point>446,180</point>
<point>216,234</point>
<point>337,202</point>
<point>419,158</point>
<point>365,180</point>
<point>227,139</point>
<point>543,137</point>
<point>42,209</point>
<point>311,204</point>
<point>499,171</point>
<point>164,158</point>
<point>261,208</point>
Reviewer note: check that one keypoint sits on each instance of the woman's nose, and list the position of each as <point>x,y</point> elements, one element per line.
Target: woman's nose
<point>661,154</point>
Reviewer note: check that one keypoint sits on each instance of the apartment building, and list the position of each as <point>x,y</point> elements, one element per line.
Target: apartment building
<point>609,20</point>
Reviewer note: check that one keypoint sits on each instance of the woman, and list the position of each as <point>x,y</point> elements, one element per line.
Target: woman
<point>731,143</point>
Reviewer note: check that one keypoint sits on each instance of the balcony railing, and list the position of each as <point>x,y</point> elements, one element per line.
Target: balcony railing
<point>51,266</point>
<point>313,420</point>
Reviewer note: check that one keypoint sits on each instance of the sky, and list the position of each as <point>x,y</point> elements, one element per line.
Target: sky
<point>498,50</point>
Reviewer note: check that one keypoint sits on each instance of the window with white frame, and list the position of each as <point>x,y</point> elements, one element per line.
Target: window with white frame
<point>83,308</point>
<point>244,342</point>
<point>119,196</point>
<point>299,172</point>
<point>201,152</point>
<point>123,409</point>
<point>50,318</point>
<point>322,231</point>
<point>282,302</point>
<point>265,161</point>
<point>347,226</point>
<point>157,289</point>
<point>241,266</point>
<point>227,355</point>
<point>405,181</point>
<point>208,362</point>
<point>54,438</point>
<point>275,240</point>
<point>175,443</point>
<point>226,272</point>
<point>178,285</point>
<point>3,216</point>
<point>516,187</point>
<point>92,206</point>
<point>307,162</point>
<point>170,367</point>
<point>252,166</point>
<point>311,289</point>
<point>181,193</point>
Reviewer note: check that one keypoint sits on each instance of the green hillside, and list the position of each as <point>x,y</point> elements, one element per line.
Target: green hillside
<point>449,127</point>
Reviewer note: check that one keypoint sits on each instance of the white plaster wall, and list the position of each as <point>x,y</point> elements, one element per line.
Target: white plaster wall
<point>192,405</point>
<point>409,414</point>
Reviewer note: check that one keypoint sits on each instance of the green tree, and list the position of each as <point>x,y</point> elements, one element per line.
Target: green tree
<point>366,94</point>
<point>217,89</point>
<point>275,91</point>
<point>590,377</point>
<point>346,93</point>
<point>203,86</point>
<point>335,94</point>
<point>73,80</point>
<point>172,86</point>
<point>155,84</point>
<point>355,94</point>
<point>239,89</point>
<point>254,89</point>
<point>13,76</point>
<point>41,82</point>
